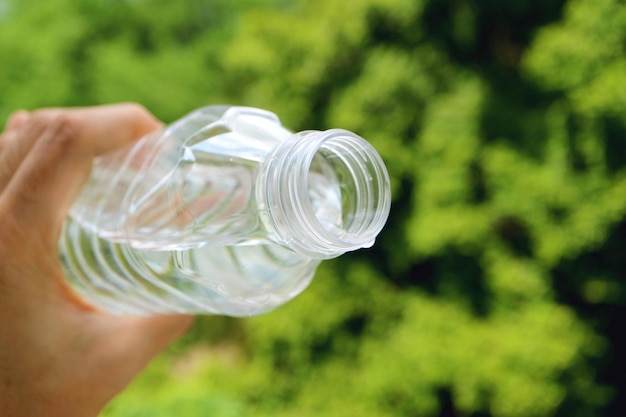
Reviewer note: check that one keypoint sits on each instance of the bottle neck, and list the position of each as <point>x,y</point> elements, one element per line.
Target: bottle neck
<point>325,193</point>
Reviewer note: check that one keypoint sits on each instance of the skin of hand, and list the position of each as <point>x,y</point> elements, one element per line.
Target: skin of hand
<point>59,356</point>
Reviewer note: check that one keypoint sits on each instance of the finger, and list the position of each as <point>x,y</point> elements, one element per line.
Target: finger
<point>16,120</point>
<point>101,129</point>
<point>101,121</point>
<point>18,140</point>
<point>58,157</point>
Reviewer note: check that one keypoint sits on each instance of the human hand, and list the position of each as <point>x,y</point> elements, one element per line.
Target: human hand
<point>59,356</point>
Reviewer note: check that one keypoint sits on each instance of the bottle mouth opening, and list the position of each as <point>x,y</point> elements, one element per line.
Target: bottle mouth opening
<point>338,193</point>
<point>357,190</point>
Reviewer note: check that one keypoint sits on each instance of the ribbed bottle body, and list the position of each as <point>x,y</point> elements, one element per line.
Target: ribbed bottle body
<point>235,280</point>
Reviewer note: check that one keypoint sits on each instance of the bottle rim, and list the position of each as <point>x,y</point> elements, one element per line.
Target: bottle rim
<point>289,208</point>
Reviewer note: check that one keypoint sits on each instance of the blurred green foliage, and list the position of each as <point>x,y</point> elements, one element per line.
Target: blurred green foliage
<point>496,288</point>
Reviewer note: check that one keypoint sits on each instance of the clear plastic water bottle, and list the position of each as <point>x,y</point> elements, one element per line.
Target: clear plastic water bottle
<point>224,211</point>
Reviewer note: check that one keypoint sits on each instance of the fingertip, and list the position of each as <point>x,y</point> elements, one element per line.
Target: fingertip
<point>143,120</point>
<point>17,119</point>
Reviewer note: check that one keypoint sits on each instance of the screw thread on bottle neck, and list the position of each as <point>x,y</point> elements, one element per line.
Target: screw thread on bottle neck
<point>325,193</point>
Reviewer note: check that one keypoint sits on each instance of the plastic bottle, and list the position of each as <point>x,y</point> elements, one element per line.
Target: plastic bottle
<point>224,211</point>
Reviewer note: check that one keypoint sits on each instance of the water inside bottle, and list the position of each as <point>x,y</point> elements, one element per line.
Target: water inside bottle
<point>233,280</point>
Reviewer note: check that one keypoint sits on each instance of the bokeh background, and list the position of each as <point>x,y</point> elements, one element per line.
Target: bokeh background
<point>496,289</point>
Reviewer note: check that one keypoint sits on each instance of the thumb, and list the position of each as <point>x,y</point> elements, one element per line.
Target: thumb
<point>152,334</point>
<point>118,350</point>
<point>137,340</point>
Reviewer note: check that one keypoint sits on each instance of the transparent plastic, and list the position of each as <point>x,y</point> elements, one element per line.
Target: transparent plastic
<point>225,212</point>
